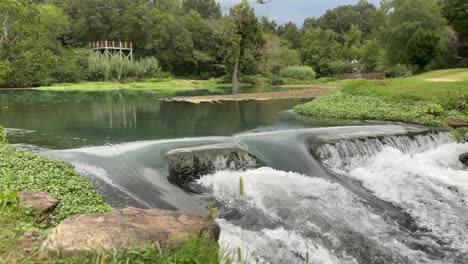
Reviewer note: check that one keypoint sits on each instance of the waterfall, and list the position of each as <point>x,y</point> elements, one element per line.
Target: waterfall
<point>345,154</point>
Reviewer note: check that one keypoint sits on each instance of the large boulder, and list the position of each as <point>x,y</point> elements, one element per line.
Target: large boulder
<point>189,164</point>
<point>39,201</point>
<point>127,228</point>
<point>464,158</point>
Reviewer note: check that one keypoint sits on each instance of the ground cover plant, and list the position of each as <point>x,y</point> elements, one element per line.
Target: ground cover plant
<point>414,100</point>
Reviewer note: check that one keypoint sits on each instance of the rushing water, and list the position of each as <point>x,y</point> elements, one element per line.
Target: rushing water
<point>335,191</point>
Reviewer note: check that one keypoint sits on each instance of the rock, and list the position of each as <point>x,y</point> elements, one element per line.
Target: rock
<point>189,164</point>
<point>127,228</point>
<point>40,201</point>
<point>464,158</point>
<point>457,123</point>
<point>27,241</point>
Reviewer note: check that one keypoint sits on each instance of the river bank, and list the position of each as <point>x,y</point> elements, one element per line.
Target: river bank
<point>22,230</point>
<point>417,100</point>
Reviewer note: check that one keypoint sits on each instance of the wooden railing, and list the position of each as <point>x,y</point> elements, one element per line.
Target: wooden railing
<point>106,44</point>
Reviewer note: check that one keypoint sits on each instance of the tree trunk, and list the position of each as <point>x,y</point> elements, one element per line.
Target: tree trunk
<point>235,77</point>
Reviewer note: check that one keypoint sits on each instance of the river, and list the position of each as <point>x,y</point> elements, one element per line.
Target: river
<point>335,191</point>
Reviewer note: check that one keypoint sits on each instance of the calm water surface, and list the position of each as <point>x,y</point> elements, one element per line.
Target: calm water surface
<point>61,120</point>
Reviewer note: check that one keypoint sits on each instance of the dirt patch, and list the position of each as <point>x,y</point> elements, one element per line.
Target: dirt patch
<point>442,80</point>
<point>304,93</point>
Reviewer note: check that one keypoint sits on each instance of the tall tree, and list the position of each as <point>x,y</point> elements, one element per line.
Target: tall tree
<point>319,48</point>
<point>456,12</point>
<point>403,18</point>
<point>28,45</point>
<point>341,19</point>
<point>208,9</point>
<point>421,48</point>
<point>243,35</point>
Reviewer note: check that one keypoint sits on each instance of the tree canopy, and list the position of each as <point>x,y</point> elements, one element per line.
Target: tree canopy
<point>46,41</point>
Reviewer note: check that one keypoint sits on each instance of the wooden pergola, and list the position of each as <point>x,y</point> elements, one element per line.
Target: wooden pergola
<point>105,48</point>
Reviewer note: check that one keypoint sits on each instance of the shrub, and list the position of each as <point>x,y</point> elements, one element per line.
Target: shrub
<point>341,66</point>
<point>398,71</point>
<point>115,68</point>
<point>298,73</point>
<point>72,66</point>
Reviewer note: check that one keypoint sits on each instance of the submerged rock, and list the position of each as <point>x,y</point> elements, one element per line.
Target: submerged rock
<point>127,228</point>
<point>189,164</point>
<point>464,158</point>
<point>39,201</point>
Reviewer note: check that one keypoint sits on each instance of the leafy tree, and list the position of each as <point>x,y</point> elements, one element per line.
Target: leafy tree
<point>207,46</point>
<point>373,56</point>
<point>319,48</point>
<point>353,44</point>
<point>267,25</point>
<point>456,12</point>
<point>277,55</point>
<point>208,9</point>
<point>343,17</point>
<point>243,36</point>
<point>403,18</point>
<point>291,33</point>
<point>421,48</point>
<point>28,43</point>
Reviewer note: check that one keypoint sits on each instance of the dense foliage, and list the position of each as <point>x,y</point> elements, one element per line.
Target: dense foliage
<point>44,42</point>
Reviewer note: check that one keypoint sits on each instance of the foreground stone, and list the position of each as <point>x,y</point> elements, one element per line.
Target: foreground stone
<point>464,158</point>
<point>127,228</point>
<point>39,201</point>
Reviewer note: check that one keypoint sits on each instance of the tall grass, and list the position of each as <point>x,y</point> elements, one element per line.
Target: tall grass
<point>116,68</point>
<point>298,73</point>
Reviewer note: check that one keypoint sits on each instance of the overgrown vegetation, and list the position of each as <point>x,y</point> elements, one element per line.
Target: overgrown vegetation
<point>116,68</point>
<point>410,100</point>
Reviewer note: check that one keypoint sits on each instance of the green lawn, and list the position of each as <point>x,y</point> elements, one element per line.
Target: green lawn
<point>410,100</point>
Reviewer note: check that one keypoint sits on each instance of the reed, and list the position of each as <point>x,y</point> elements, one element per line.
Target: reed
<point>116,68</point>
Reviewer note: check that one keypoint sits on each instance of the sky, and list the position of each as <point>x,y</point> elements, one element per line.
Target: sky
<point>293,10</point>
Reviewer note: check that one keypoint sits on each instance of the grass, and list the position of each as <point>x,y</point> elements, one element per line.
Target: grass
<point>15,220</point>
<point>410,100</point>
<point>149,85</point>
<point>23,170</point>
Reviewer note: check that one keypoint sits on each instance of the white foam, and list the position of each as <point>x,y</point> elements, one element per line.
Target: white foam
<point>274,245</point>
<point>431,186</point>
<point>310,207</point>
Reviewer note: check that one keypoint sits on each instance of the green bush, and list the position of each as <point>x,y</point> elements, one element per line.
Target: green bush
<point>341,66</point>
<point>298,73</point>
<point>72,66</point>
<point>398,71</point>
<point>115,68</point>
